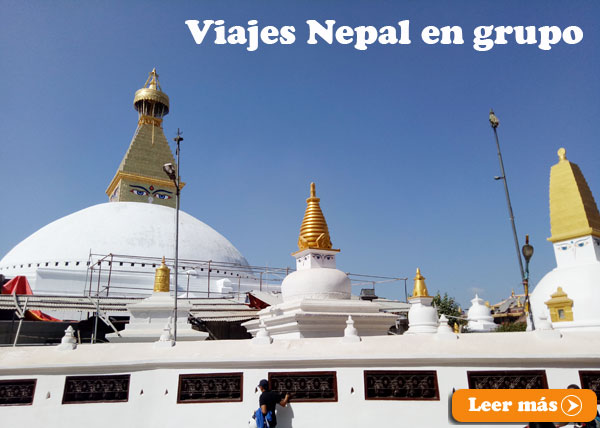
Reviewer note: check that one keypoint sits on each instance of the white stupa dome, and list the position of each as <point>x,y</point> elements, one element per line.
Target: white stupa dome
<point>581,284</point>
<point>480,316</point>
<point>478,310</point>
<point>123,228</point>
<point>319,283</point>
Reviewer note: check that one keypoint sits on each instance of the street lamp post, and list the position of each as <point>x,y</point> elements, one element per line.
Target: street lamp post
<point>527,253</point>
<point>173,173</point>
<point>527,249</point>
<point>494,122</point>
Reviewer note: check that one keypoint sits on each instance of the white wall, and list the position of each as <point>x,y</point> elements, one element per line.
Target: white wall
<point>157,406</point>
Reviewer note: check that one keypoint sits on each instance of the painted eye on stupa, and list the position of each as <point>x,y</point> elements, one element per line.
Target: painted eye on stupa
<point>161,193</point>
<point>139,190</point>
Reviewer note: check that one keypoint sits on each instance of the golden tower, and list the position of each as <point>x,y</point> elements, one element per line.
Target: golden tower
<point>573,210</point>
<point>420,289</point>
<point>140,176</point>
<point>314,233</point>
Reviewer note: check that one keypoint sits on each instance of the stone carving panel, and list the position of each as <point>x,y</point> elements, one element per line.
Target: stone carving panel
<point>401,385</point>
<point>18,392</point>
<point>207,388</point>
<point>513,379</point>
<point>305,386</point>
<point>96,389</point>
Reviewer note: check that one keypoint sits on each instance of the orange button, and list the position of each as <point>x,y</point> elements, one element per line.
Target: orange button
<point>524,405</point>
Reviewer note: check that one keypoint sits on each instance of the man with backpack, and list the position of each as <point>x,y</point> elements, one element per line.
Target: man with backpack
<point>267,402</point>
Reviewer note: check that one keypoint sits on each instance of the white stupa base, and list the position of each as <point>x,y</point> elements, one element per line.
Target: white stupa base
<point>482,326</point>
<point>321,318</point>
<point>149,318</point>
<point>574,325</point>
<point>422,328</point>
<point>422,317</point>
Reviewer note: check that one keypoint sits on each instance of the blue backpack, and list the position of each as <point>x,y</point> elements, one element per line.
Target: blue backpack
<point>263,421</point>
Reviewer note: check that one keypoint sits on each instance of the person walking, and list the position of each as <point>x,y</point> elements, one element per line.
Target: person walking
<point>268,401</point>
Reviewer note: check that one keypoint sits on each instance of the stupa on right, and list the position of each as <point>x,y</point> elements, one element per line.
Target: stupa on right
<point>569,295</point>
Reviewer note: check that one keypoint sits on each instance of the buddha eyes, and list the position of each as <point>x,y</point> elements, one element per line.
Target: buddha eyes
<point>157,193</point>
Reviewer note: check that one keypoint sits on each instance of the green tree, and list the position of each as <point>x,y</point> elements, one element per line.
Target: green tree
<point>448,306</point>
<point>513,326</point>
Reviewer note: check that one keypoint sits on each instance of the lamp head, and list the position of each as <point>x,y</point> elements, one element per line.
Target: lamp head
<point>169,169</point>
<point>494,120</point>
<point>527,249</point>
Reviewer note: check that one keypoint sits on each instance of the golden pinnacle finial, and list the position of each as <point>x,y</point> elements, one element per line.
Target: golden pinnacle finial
<point>150,100</point>
<point>420,289</point>
<point>573,210</point>
<point>562,154</point>
<point>152,81</point>
<point>162,278</point>
<point>313,231</point>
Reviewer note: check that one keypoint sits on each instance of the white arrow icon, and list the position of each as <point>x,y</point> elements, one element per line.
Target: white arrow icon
<point>574,403</point>
<point>573,406</point>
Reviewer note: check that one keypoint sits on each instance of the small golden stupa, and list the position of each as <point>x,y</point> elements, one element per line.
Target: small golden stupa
<point>420,289</point>
<point>560,306</point>
<point>162,278</point>
<point>314,233</point>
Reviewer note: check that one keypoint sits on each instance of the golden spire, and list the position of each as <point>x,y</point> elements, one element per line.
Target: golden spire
<point>573,210</point>
<point>420,289</point>
<point>151,101</point>
<point>314,232</point>
<point>162,278</point>
<point>140,176</point>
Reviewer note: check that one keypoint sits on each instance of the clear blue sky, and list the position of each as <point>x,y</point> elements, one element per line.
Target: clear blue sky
<point>397,137</point>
